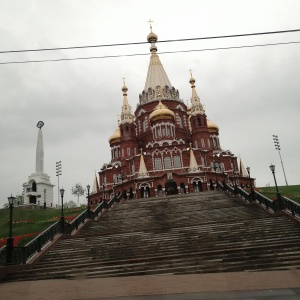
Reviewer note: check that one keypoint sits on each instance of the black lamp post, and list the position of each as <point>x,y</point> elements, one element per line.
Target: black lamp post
<point>10,239</point>
<point>233,176</point>
<point>44,198</point>
<point>62,218</point>
<point>88,199</point>
<point>215,166</point>
<point>122,177</point>
<point>251,188</point>
<point>278,195</point>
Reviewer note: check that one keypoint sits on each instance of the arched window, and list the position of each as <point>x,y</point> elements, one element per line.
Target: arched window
<point>157,162</point>
<point>115,178</point>
<point>214,142</point>
<point>133,169</point>
<point>196,144</point>
<point>34,186</point>
<point>167,161</point>
<point>128,151</point>
<point>202,161</point>
<point>202,143</point>
<point>122,152</point>
<point>199,121</point>
<point>144,125</point>
<point>179,121</point>
<point>177,162</point>
<point>208,143</point>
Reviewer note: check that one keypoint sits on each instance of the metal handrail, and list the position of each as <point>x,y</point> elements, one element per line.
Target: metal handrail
<point>281,203</point>
<point>22,254</point>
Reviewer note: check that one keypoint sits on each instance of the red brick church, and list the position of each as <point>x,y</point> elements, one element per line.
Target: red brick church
<point>165,146</point>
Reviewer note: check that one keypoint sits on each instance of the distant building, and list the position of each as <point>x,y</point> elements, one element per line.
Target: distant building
<point>165,146</point>
<point>38,189</point>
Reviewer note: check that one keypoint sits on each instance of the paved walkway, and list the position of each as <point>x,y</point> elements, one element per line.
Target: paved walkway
<point>239,285</point>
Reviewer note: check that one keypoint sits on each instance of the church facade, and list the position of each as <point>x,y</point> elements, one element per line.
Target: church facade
<point>165,146</point>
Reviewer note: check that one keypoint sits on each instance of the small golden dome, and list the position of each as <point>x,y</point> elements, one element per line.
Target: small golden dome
<point>192,81</point>
<point>152,37</point>
<point>124,89</point>
<point>212,127</point>
<point>115,137</point>
<point>161,112</point>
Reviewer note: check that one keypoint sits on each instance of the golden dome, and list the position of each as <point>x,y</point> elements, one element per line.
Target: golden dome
<point>212,127</point>
<point>124,89</point>
<point>161,112</point>
<point>192,81</point>
<point>115,137</point>
<point>152,37</point>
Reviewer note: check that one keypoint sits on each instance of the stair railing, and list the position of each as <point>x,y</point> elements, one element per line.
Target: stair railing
<point>283,203</point>
<point>22,254</point>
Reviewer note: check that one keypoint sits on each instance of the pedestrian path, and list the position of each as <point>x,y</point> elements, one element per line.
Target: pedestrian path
<point>237,285</point>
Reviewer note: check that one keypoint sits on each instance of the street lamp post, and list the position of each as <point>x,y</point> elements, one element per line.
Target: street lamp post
<point>277,147</point>
<point>44,198</point>
<point>122,178</point>
<point>10,239</point>
<point>62,218</point>
<point>251,188</point>
<point>88,199</point>
<point>215,166</point>
<point>58,173</point>
<point>278,195</point>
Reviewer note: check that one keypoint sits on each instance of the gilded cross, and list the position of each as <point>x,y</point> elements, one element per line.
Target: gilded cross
<point>150,22</point>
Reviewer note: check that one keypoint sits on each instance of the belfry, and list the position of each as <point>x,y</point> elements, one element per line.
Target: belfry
<point>165,147</point>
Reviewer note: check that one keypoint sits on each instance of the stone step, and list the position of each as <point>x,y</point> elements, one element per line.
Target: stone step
<point>191,233</point>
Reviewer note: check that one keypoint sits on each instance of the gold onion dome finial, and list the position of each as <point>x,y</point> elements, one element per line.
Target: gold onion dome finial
<point>212,127</point>
<point>124,88</point>
<point>192,80</point>
<point>152,38</point>
<point>161,112</point>
<point>115,137</point>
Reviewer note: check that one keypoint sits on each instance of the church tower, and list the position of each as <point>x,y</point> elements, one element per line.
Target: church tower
<point>128,141</point>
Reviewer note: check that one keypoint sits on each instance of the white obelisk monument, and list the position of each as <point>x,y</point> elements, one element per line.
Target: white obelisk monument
<point>39,189</point>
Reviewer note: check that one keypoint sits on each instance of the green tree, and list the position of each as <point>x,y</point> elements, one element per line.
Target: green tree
<point>78,190</point>
<point>19,200</point>
<point>70,204</point>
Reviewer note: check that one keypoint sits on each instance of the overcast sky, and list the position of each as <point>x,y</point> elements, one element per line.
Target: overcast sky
<point>251,93</point>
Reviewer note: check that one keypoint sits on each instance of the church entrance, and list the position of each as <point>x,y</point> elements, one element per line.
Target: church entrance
<point>197,186</point>
<point>159,190</point>
<point>130,193</point>
<point>171,187</point>
<point>182,188</point>
<point>145,192</point>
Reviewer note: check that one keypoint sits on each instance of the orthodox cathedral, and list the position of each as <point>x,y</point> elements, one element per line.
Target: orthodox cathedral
<point>165,147</point>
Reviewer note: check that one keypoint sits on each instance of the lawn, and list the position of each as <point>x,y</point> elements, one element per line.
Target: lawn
<point>28,221</point>
<point>292,192</point>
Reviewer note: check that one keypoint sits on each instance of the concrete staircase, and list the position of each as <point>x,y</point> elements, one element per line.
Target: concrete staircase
<point>191,233</point>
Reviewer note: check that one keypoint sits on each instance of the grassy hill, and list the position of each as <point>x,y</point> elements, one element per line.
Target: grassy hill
<point>292,192</point>
<point>27,223</point>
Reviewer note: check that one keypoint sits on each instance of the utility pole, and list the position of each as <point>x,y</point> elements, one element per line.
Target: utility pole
<point>277,147</point>
<point>58,173</point>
